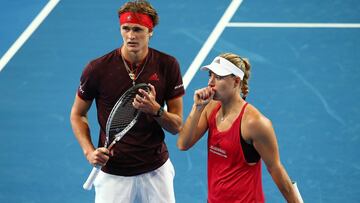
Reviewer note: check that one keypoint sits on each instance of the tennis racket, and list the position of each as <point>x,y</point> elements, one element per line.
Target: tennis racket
<point>122,118</point>
<point>298,195</point>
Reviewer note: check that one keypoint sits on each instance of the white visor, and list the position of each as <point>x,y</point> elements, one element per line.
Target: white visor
<point>223,67</point>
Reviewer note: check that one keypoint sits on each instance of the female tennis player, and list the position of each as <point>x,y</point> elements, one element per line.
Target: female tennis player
<point>239,136</point>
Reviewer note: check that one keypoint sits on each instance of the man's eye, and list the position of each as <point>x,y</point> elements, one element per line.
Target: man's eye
<point>126,28</point>
<point>137,29</point>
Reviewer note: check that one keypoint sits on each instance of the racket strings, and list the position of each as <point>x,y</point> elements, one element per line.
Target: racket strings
<point>125,114</point>
<point>121,122</point>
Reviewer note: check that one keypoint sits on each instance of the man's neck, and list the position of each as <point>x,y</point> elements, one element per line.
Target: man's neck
<point>134,57</point>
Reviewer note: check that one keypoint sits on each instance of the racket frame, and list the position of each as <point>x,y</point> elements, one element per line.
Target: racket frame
<point>96,169</point>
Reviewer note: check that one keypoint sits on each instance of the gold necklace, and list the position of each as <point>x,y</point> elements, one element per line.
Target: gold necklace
<point>132,75</point>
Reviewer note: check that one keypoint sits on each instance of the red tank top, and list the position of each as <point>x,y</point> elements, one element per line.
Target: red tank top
<point>230,178</point>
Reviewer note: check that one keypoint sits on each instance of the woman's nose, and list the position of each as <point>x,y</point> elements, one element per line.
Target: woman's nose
<point>211,81</point>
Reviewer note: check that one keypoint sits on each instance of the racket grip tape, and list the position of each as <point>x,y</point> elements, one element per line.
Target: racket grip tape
<point>90,180</point>
<point>298,195</point>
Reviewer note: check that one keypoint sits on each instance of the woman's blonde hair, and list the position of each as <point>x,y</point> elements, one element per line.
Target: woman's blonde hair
<point>244,65</point>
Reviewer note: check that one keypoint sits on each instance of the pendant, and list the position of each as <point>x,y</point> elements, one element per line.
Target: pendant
<point>132,76</point>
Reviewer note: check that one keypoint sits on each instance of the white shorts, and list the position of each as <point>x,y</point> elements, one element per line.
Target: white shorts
<point>154,186</point>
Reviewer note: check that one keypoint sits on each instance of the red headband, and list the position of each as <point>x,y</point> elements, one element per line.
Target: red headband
<point>137,18</point>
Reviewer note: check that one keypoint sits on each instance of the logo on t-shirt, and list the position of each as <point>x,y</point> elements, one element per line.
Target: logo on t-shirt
<point>81,88</point>
<point>178,86</point>
<point>217,151</point>
<point>154,77</point>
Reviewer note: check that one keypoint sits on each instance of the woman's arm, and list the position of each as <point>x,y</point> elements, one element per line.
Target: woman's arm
<point>196,123</point>
<point>260,130</point>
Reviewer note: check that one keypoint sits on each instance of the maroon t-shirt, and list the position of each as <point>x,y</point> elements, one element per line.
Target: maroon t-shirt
<point>105,79</point>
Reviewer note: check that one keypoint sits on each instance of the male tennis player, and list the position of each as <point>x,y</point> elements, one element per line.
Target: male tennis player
<point>137,169</point>
<point>239,136</point>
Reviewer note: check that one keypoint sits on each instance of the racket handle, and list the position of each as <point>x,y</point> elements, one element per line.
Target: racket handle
<point>298,195</point>
<point>90,180</point>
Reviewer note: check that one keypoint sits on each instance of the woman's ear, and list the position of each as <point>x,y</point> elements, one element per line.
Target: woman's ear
<point>238,82</point>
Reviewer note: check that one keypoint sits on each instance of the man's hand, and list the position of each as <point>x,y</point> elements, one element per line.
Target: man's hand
<point>145,101</point>
<point>99,156</point>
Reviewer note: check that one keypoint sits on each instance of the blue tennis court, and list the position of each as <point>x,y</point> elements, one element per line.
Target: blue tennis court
<point>305,73</point>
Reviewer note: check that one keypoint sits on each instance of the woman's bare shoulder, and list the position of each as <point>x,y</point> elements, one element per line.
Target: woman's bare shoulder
<point>254,119</point>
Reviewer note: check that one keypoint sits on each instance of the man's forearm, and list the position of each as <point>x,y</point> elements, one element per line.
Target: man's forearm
<point>170,122</point>
<point>82,133</point>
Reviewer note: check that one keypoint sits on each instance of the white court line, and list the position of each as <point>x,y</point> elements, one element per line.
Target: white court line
<point>294,25</point>
<point>211,40</point>
<point>27,33</point>
<point>224,22</point>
